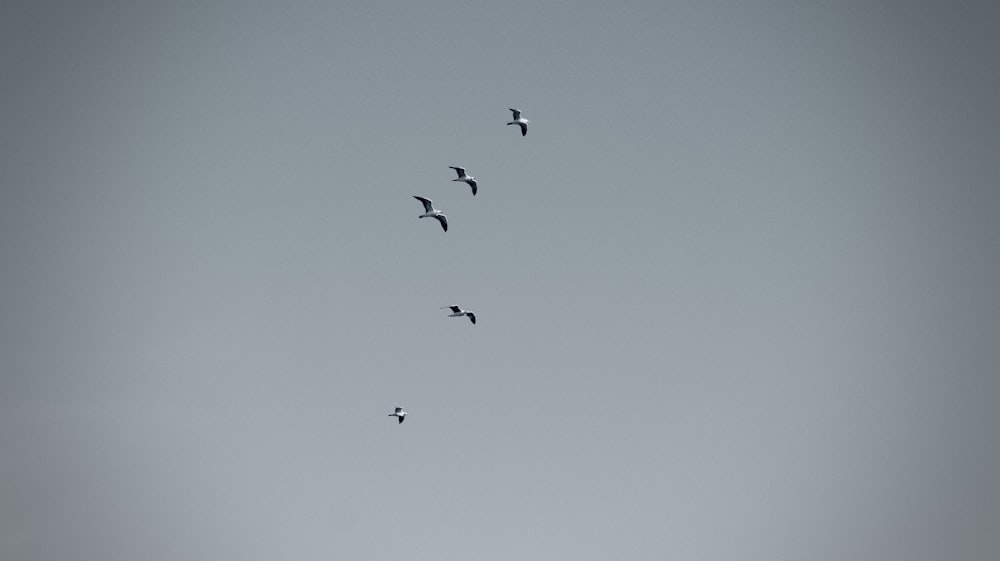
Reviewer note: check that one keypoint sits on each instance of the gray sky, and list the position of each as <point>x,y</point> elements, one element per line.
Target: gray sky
<point>738,289</point>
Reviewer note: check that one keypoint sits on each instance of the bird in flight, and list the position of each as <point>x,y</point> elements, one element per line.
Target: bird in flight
<point>459,312</point>
<point>399,413</point>
<point>519,121</point>
<point>432,212</point>
<point>462,176</point>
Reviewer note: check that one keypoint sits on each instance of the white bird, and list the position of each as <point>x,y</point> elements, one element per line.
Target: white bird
<point>523,123</point>
<point>399,413</point>
<point>462,176</point>
<point>459,312</point>
<point>432,212</point>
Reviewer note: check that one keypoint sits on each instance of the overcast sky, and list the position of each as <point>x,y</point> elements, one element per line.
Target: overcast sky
<point>738,289</point>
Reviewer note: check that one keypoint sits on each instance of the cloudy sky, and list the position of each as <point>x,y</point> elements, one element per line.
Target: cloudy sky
<point>738,289</point>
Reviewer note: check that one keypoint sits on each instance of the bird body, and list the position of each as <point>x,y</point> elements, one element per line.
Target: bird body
<point>519,121</point>
<point>431,212</point>
<point>399,413</point>
<point>459,312</point>
<point>462,176</point>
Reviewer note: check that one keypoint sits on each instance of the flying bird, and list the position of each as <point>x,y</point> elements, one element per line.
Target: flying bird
<point>432,212</point>
<point>399,413</point>
<point>459,312</point>
<point>519,121</point>
<point>462,176</point>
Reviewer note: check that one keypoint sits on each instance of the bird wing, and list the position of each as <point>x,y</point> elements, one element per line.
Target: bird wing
<point>443,220</point>
<point>517,114</point>
<point>524,129</point>
<point>474,186</point>
<point>401,418</point>
<point>398,409</point>
<point>458,170</point>
<point>472,317</point>
<point>428,205</point>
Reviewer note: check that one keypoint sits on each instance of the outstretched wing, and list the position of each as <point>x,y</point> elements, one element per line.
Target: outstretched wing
<point>398,409</point>
<point>475,187</point>
<point>443,220</point>
<point>517,114</point>
<point>458,170</point>
<point>428,204</point>
<point>524,129</point>
<point>401,418</point>
<point>472,317</point>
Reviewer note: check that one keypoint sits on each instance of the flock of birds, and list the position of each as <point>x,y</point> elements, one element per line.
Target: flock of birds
<point>431,212</point>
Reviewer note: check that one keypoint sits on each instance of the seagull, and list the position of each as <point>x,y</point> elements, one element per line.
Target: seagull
<point>399,413</point>
<point>523,123</point>
<point>466,178</point>
<point>429,210</point>
<point>457,312</point>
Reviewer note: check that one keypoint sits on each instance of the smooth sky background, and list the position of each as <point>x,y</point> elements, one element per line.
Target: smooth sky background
<point>738,289</point>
